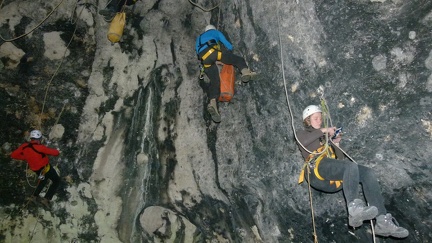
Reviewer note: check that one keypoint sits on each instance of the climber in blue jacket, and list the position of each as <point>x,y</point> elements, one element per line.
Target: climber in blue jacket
<point>209,51</point>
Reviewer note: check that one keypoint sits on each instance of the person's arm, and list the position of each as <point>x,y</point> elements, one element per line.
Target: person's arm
<point>18,153</point>
<point>306,138</point>
<point>48,151</point>
<point>224,41</point>
<point>197,45</point>
<point>336,143</point>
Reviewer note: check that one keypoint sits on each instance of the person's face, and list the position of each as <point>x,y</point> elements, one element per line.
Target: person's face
<point>315,120</point>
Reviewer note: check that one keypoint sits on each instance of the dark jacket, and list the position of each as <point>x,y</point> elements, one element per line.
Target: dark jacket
<point>312,139</point>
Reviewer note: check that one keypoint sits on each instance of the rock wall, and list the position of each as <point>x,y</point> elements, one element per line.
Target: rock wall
<point>141,160</point>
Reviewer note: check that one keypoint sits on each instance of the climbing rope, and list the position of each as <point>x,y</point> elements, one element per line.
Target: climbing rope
<point>47,89</point>
<point>218,23</point>
<point>205,9</point>
<point>47,86</point>
<point>34,28</point>
<point>29,174</point>
<point>57,120</point>
<point>292,123</point>
<point>327,121</point>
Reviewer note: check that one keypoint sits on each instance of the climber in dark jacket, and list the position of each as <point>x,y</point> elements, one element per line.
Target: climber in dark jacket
<point>328,171</point>
<point>36,155</point>
<point>208,49</point>
<point>113,7</point>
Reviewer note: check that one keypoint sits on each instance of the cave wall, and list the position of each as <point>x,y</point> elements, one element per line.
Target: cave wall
<point>141,160</point>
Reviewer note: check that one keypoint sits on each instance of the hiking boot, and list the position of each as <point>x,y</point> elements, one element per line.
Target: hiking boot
<point>108,14</point>
<point>213,110</point>
<point>32,199</point>
<point>386,226</point>
<point>247,75</point>
<point>45,202</point>
<point>359,212</point>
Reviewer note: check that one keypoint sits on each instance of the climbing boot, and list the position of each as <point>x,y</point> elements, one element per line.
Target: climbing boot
<point>45,202</point>
<point>108,14</point>
<point>213,110</point>
<point>358,213</point>
<point>247,75</point>
<point>32,199</point>
<point>386,226</point>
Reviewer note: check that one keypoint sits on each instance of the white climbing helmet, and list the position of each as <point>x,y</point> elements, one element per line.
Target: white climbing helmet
<point>209,27</point>
<point>36,134</point>
<point>310,110</point>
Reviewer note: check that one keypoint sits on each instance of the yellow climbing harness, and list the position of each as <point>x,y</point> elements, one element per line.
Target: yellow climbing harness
<point>44,171</point>
<point>313,161</point>
<point>209,52</point>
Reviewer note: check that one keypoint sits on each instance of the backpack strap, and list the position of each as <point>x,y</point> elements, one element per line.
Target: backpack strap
<point>30,145</point>
<point>208,43</point>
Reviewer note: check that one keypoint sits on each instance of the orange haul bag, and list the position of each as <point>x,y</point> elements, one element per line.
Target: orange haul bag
<point>227,81</point>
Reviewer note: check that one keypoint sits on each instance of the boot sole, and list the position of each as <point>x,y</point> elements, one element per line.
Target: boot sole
<point>247,78</point>
<point>214,114</point>
<point>394,234</point>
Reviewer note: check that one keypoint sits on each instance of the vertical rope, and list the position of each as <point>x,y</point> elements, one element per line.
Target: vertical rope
<point>47,86</point>
<point>292,124</point>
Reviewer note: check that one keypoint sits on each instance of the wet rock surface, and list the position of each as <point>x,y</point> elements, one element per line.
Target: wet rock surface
<point>141,160</point>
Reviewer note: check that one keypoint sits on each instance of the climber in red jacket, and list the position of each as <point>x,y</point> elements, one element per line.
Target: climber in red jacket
<point>36,155</point>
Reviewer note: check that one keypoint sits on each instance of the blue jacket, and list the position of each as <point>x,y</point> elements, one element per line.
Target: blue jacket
<point>216,35</point>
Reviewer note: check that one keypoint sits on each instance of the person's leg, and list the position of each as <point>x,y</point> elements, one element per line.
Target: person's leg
<point>41,184</point>
<point>230,58</point>
<point>55,179</point>
<point>371,188</point>
<point>119,4</point>
<point>112,7</point>
<point>213,90</point>
<point>335,170</point>
<point>348,172</point>
<point>212,73</point>
<point>385,223</point>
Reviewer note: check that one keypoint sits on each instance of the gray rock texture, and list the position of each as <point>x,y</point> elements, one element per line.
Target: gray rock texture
<point>141,160</point>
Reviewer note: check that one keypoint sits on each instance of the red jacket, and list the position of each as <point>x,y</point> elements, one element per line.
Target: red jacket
<point>35,154</point>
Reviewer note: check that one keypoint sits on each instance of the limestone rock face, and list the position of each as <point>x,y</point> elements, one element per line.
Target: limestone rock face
<point>141,160</point>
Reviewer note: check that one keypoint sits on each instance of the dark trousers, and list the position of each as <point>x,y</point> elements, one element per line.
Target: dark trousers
<point>351,174</point>
<point>212,72</point>
<point>51,175</point>
<point>117,5</point>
